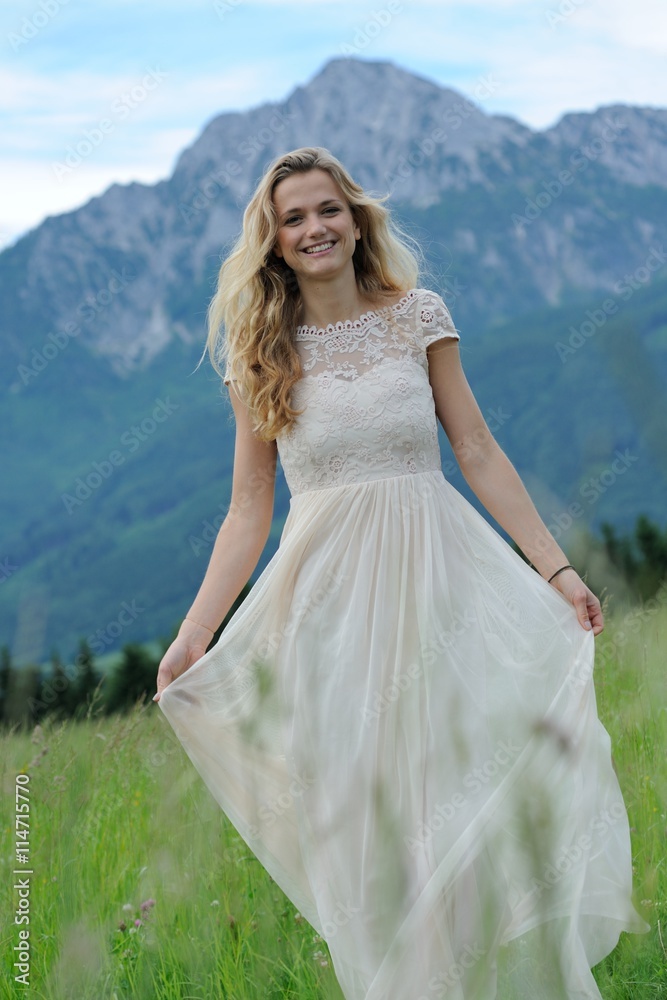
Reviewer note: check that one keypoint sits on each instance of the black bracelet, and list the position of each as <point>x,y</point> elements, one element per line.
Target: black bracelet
<point>560,571</point>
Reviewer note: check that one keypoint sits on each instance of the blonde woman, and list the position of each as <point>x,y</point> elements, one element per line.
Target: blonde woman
<point>400,719</point>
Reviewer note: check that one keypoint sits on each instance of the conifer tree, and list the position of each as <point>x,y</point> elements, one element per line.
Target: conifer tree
<point>85,682</point>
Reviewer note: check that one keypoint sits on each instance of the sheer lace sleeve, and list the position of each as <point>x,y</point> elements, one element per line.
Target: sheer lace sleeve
<point>436,321</point>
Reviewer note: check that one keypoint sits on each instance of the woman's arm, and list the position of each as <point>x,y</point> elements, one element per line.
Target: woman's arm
<point>238,546</point>
<point>245,530</point>
<point>495,481</point>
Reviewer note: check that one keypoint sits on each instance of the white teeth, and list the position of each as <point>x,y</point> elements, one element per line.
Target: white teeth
<point>321,246</point>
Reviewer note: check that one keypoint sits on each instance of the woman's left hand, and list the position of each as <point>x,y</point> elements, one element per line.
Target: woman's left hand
<point>586,604</point>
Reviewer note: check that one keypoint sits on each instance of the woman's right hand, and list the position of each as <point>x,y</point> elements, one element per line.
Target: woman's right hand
<point>189,646</point>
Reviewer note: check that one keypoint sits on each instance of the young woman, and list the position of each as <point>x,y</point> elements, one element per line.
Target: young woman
<point>400,719</point>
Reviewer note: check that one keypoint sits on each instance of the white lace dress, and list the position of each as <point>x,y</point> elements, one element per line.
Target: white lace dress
<point>400,720</point>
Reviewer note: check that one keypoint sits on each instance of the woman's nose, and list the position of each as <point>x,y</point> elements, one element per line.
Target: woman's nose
<point>316,226</point>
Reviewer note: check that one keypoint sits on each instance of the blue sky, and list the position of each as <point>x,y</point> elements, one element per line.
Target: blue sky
<point>69,65</point>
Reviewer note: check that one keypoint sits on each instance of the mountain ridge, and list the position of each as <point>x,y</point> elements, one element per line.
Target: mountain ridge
<point>378,118</point>
<point>104,316</point>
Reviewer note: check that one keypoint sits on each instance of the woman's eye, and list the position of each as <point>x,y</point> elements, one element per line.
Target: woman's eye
<point>332,208</point>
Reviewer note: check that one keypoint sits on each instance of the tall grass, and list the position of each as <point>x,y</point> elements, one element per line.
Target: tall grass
<point>120,818</point>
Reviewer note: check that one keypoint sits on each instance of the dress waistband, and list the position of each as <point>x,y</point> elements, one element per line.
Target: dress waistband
<point>368,482</point>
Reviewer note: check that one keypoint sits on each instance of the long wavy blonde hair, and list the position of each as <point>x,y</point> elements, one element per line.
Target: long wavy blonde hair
<point>255,309</point>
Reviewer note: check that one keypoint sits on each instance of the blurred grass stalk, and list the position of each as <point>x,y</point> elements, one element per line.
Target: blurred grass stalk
<point>119,817</point>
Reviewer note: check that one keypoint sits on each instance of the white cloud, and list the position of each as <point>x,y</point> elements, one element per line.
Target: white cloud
<point>32,192</point>
<point>544,71</point>
<point>51,91</point>
<point>79,99</point>
<point>640,26</point>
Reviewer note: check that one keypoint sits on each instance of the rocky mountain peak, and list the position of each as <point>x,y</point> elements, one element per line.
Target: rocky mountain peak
<point>397,132</point>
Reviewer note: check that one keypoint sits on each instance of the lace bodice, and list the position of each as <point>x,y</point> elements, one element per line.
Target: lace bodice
<point>369,409</point>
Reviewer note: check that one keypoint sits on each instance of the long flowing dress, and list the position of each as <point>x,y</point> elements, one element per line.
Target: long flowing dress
<point>400,719</point>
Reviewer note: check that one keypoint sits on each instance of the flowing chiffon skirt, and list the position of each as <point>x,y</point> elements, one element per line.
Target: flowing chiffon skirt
<point>400,721</point>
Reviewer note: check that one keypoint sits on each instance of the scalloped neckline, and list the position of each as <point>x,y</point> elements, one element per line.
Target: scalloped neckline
<point>343,325</point>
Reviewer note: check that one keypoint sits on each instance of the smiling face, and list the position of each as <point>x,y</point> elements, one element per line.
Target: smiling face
<point>312,211</point>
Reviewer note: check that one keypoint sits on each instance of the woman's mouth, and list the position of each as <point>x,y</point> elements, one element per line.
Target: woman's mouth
<point>320,249</point>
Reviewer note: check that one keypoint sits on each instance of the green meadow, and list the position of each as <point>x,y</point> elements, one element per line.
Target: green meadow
<point>141,888</point>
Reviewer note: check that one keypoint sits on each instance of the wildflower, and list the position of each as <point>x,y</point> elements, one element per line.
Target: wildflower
<point>138,923</point>
<point>128,907</point>
<point>215,902</point>
<point>122,926</point>
<point>146,905</point>
<point>298,918</point>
